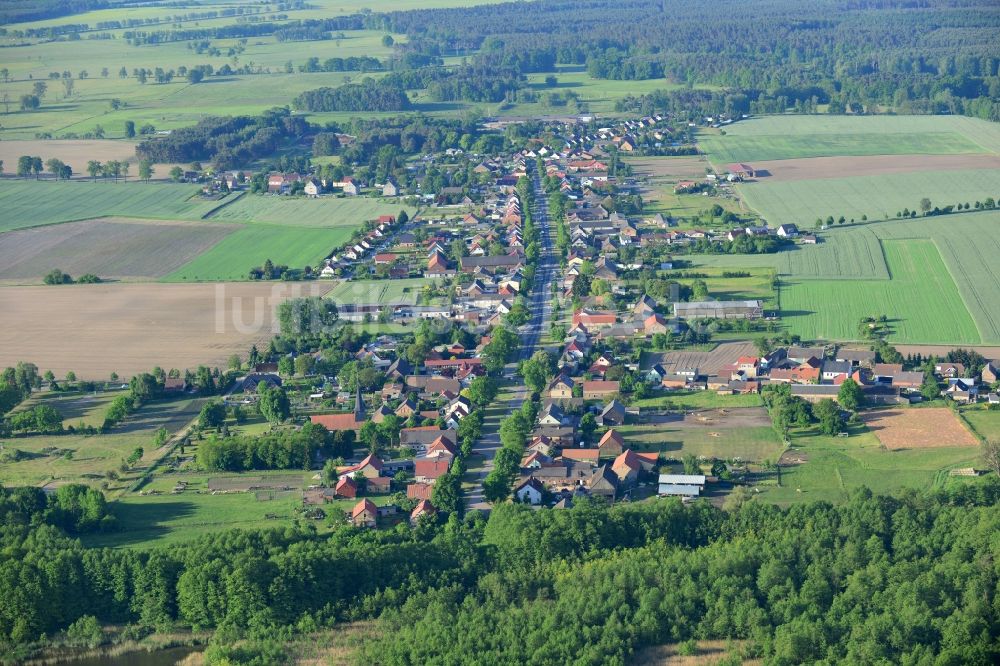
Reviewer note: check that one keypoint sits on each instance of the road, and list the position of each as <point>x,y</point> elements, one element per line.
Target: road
<point>540,304</point>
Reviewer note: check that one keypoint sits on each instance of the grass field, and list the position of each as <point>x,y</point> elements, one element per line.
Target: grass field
<point>117,248</point>
<point>324,212</point>
<point>379,291</point>
<point>876,196</point>
<point>234,256</point>
<point>699,400</point>
<point>984,423</point>
<point>28,203</point>
<point>831,467</point>
<point>796,136</point>
<point>753,444</point>
<point>921,300</point>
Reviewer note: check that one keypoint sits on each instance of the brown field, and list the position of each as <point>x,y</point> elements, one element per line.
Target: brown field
<point>94,330</point>
<point>109,247</point>
<point>76,153</point>
<point>707,362</point>
<point>929,428</point>
<point>812,168</point>
<point>941,350</point>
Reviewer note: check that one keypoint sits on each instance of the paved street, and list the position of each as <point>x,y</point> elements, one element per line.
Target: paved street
<point>540,304</point>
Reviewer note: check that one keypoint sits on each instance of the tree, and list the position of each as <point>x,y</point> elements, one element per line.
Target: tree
<point>273,403</point>
<point>929,388</point>
<point>30,102</point>
<point>482,390</point>
<point>691,465</point>
<point>176,174</point>
<point>369,435</point>
<point>68,87</point>
<point>94,168</point>
<point>446,493</point>
<point>850,395</point>
<point>39,88</point>
<point>534,374</point>
<point>330,475</point>
<point>387,41</point>
<point>925,204</point>
<point>212,415</point>
<point>828,414</point>
<point>130,129</point>
<point>991,455</point>
<point>56,276</point>
<point>304,364</point>
<point>146,170</point>
<point>55,166</point>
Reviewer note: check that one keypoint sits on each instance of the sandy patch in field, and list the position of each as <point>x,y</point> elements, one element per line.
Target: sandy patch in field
<point>934,427</point>
<point>94,330</point>
<point>108,247</point>
<point>76,153</point>
<point>815,168</point>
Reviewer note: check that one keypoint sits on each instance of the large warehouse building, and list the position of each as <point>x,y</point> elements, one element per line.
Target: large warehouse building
<point>719,310</point>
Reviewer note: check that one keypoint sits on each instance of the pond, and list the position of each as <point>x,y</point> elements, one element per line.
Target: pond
<point>168,657</point>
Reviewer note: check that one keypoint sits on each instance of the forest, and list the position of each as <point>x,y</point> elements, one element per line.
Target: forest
<point>912,579</point>
<point>370,95</point>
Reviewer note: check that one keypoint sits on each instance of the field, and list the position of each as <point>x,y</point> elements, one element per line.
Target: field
<point>76,153</point>
<point>798,136</point>
<point>900,429</point>
<point>58,459</point>
<point>232,258</point>
<point>94,330</point>
<point>921,301</point>
<point>740,433</point>
<point>379,291</point>
<point>659,175</point>
<point>29,203</point>
<point>821,468</point>
<point>325,212</point>
<point>877,196</point>
<point>985,423</point>
<point>815,168</point>
<point>118,248</point>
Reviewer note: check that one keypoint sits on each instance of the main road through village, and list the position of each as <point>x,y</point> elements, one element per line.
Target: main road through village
<point>540,304</point>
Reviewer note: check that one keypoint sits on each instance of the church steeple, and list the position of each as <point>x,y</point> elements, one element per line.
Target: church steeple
<point>359,406</point>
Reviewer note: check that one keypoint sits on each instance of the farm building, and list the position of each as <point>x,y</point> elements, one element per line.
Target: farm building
<point>741,170</point>
<point>682,485</point>
<point>719,310</point>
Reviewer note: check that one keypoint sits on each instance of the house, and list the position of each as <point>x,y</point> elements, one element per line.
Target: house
<point>908,380</point>
<point>741,170</point>
<point>428,469</point>
<point>886,371</point>
<point>832,371</point>
<point>949,370</point>
<point>787,231</point>
<point>351,187</point>
<point>600,389</point>
<point>611,444</point>
<point>385,258</point>
<point>390,189</point>
<point>613,414</point>
<point>552,415</point>
<point>560,388</point>
<point>582,455</point>
<point>369,468</point>
<point>856,357</point>
<point>364,514</point>
<point>655,323</point>
<point>627,467</point>
<point>406,409</point>
<point>803,354</point>
<point>803,374</point>
<point>423,508</point>
<point>346,487</point>
<point>530,492</point>
<point>991,373</point>
<point>254,379</point>
<point>419,490</point>
<point>603,482</point>
<point>593,318</point>
<point>313,188</point>
<point>174,385</point>
<point>962,390</point>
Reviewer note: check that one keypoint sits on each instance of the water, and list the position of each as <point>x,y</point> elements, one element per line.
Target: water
<point>168,657</point>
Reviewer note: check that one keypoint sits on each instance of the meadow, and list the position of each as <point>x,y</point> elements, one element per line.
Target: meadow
<point>326,212</point>
<point>921,301</point>
<point>822,468</point>
<point>29,203</point>
<point>798,136</point>
<point>752,444</point>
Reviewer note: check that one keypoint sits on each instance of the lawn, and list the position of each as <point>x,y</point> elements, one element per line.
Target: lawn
<point>795,136</point>
<point>699,400</point>
<point>323,212</point>
<point>28,203</point>
<point>379,291</point>
<point>985,423</point>
<point>875,196</point>
<point>921,300</point>
<point>834,466</point>
<point>234,256</point>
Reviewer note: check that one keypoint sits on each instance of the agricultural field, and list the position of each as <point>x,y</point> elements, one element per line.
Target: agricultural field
<point>877,196</point>
<point>933,427</point>
<point>115,248</point>
<point>76,153</point>
<point>28,203</point>
<point>985,423</point>
<point>816,168</point>
<point>965,244</point>
<point>232,258</point>
<point>799,136</point>
<point>921,301</point>
<point>322,212</point>
<point>361,292</point>
<point>94,330</point>
<point>822,468</point>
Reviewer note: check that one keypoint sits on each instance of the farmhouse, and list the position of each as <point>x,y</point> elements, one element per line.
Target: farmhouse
<point>719,310</point>
<point>741,170</point>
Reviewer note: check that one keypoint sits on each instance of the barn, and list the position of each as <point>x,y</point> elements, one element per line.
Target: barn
<point>719,310</point>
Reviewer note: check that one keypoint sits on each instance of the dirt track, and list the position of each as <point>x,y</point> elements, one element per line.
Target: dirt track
<point>814,168</point>
<point>94,330</point>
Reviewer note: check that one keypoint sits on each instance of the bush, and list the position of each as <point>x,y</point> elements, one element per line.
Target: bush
<point>86,632</point>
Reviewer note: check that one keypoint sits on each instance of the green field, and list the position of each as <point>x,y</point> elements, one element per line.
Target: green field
<point>986,423</point>
<point>699,400</point>
<point>754,444</point>
<point>835,466</point>
<point>29,203</point>
<point>967,244</point>
<point>877,196</point>
<point>379,291</point>
<point>326,212</point>
<point>795,136</point>
<point>921,300</point>
<point>234,256</point>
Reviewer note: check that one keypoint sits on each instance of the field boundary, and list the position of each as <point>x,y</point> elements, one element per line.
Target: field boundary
<point>229,200</point>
